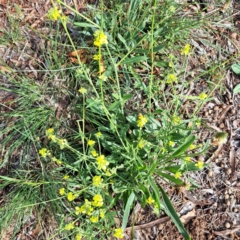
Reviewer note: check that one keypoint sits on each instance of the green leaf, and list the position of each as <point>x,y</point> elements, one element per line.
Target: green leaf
<point>120,37</point>
<point>176,136</point>
<point>236,89</point>
<point>169,177</point>
<point>134,60</point>
<point>182,148</point>
<point>127,210</point>
<point>170,211</point>
<point>156,192</point>
<point>83,24</point>
<point>236,68</point>
<point>152,168</point>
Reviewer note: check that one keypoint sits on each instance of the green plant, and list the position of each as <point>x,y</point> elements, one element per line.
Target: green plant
<point>95,168</point>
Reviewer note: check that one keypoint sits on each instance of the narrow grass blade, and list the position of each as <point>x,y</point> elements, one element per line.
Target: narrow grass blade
<point>182,148</point>
<point>127,210</point>
<point>156,192</point>
<point>170,211</point>
<point>134,60</point>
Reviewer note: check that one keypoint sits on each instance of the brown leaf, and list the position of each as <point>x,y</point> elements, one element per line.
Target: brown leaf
<point>81,53</point>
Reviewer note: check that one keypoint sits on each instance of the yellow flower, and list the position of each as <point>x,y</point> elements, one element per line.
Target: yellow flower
<point>79,236</point>
<point>150,200</point>
<point>100,38</point>
<point>200,164</point>
<point>102,162</point>
<point>118,233</point>
<point>82,90</point>
<point>186,50</point>
<point>103,77</point>
<point>49,131</point>
<point>172,9</point>
<point>62,143</point>
<point>203,96</point>
<point>94,153</point>
<point>69,226</point>
<point>52,137</point>
<point>53,14</point>
<point>58,161</point>
<point>44,152</point>
<point>177,175</point>
<point>192,146</point>
<point>163,150</point>
<point>98,134</point>
<point>171,78</point>
<point>62,191</point>
<point>97,200</point>
<point>96,57</point>
<point>198,123</point>
<point>142,120</point>
<point>102,213</point>
<point>70,196</point>
<point>94,219</point>
<point>86,208</point>
<point>65,177</point>
<point>187,159</point>
<point>176,120</point>
<point>97,180</point>
<point>90,142</point>
<point>171,143</point>
<point>141,143</point>
<point>63,19</point>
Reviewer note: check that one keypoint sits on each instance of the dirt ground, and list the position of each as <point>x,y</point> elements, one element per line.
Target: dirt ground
<point>212,211</point>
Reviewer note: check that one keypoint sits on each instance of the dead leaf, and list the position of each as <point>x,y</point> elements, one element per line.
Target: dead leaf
<point>5,69</point>
<point>187,217</point>
<point>81,54</point>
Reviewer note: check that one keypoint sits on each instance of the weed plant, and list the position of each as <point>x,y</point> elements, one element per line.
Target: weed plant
<point>92,145</point>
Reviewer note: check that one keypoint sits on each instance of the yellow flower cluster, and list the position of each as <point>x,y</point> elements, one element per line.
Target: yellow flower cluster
<point>102,162</point>
<point>44,152</point>
<point>69,226</point>
<point>200,164</point>
<point>54,14</point>
<point>177,175</point>
<point>97,180</point>
<point>82,90</point>
<point>176,120</point>
<point>171,78</point>
<point>203,96</point>
<point>142,120</point>
<point>141,143</point>
<point>186,50</point>
<point>90,143</point>
<point>100,38</point>
<point>61,142</point>
<point>87,208</point>
<point>118,233</point>
<point>97,200</point>
<point>150,200</point>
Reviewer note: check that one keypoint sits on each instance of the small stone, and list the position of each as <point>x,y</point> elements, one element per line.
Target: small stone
<point>228,171</point>
<point>226,196</point>
<point>227,225</point>
<point>210,173</point>
<point>228,203</point>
